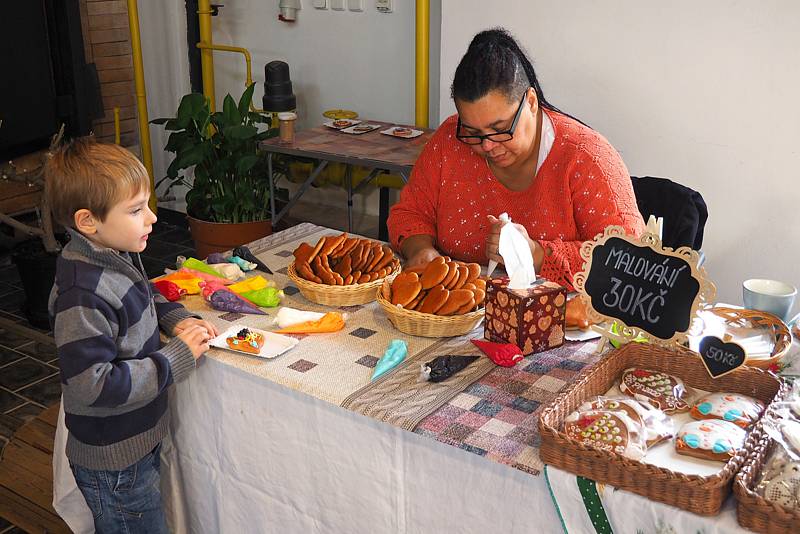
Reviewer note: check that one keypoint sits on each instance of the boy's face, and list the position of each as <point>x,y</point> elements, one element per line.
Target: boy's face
<point>127,225</point>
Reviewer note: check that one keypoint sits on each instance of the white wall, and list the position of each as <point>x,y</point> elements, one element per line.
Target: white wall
<point>705,93</point>
<point>363,61</point>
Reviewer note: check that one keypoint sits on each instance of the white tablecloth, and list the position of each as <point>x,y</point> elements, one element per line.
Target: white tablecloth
<point>248,455</point>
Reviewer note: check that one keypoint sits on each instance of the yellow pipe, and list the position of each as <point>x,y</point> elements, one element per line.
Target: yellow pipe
<point>141,97</point>
<point>247,59</point>
<point>117,136</point>
<point>206,54</point>
<point>422,63</point>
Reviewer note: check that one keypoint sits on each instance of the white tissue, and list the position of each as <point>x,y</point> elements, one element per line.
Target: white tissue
<point>517,257</point>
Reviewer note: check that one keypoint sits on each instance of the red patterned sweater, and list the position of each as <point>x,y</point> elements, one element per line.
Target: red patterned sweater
<point>582,187</point>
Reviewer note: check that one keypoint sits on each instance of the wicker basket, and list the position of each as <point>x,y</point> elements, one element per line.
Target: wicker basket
<point>698,494</point>
<point>753,511</point>
<point>426,324</point>
<point>349,295</point>
<point>775,328</point>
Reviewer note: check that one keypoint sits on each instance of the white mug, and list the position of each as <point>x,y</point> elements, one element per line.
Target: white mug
<point>769,296</point>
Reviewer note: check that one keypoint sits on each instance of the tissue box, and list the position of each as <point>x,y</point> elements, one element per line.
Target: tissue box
<point>532,318</point>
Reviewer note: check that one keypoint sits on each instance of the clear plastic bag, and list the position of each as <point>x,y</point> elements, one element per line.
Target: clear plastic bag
<point>660,390</point>
<point>658,426</point>
<point>608,430</point>
<point>780,476</point>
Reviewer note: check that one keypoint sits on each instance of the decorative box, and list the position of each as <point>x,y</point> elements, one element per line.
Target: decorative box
<point>531,318</point>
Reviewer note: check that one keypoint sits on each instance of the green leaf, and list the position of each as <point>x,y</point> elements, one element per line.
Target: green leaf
<point>240,132</point>
<point>244,101</point>
<point>230,111</point>
<point>162,120</point>
<point>190,106</point>
<point>246,163</point>
<point>193,156</point>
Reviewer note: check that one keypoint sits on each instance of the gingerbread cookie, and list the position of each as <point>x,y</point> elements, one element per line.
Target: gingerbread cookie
<point>711,439</point>
<point>608,431</point>
<point>738,409</point>
<point>660,390</point>
<point>246,341</point>
<point>657,425</point>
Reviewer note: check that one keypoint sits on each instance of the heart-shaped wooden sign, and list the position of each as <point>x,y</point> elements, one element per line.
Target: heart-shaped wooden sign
<point>719,357</point>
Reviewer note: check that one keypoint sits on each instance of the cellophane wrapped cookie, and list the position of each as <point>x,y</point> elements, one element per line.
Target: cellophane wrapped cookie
<point>660,390</point>
<point>710,439</point>
<point>608,431</point>
<point>740,410</point>
<point>780,476</point>
<point>658,426</point>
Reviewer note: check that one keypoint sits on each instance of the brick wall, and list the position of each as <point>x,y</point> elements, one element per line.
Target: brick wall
<point>107,44</point>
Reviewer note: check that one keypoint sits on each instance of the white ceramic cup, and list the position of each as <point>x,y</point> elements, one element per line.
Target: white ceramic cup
<point>769,296</point>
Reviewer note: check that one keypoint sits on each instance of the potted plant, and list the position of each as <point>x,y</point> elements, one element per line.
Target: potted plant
<point>228,199</point>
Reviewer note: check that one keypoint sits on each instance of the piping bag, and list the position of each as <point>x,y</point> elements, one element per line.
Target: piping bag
<point>517,257</point>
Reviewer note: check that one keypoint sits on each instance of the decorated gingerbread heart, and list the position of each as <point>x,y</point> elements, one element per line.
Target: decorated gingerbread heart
<point>657,425</point>
<point>608,431</point>
<point>660,390</point>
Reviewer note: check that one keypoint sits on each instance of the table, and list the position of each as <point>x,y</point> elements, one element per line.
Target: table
<point>306,443</point>
<point>381,153</point>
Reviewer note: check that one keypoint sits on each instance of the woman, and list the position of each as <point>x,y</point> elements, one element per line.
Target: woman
<point>509,150</point>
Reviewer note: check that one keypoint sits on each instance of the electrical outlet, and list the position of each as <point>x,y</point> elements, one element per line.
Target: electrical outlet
<point>355,5</point>
<point>384,6</point>
<point>321,4</point>
<point>337,5</point>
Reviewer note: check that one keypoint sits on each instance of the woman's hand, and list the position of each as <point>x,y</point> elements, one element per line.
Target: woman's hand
<point>423,257</point>
<point>418,250</point>
<point>493,242</point>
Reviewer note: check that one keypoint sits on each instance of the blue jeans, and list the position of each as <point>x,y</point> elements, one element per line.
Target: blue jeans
<point>127,501</point>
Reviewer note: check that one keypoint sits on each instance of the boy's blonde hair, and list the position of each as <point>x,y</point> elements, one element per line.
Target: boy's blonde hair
<point>85,174</point>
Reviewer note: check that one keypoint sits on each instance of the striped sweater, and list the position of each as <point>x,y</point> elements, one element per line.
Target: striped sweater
<point>114,372</point>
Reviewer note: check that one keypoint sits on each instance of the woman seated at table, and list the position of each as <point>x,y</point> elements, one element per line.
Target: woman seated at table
<point>509,150</point>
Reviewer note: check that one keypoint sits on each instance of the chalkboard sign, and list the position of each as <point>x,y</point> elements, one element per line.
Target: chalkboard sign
<point>719,357</point>
<point>647,288</point>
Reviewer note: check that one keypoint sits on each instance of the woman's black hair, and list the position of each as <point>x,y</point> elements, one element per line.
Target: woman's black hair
<point>495,62</point>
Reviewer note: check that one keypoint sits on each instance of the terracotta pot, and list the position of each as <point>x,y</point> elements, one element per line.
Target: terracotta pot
<point>218,237</point>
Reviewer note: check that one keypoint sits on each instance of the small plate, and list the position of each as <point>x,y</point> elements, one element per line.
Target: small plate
<point>274,344</point>
<point>360,128</point>
<point>339,124</point>
<point>402,131</point>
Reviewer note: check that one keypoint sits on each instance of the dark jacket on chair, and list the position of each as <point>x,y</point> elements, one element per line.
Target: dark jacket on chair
<point>683,210</point>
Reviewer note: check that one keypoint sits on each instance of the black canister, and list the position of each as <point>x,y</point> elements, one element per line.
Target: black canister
<point>278,94</point>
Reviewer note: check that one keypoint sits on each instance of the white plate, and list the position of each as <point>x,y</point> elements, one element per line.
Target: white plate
<point>274,344</point>
<point>361,128</point>
<point>338,124</point>
<point>402,131</point>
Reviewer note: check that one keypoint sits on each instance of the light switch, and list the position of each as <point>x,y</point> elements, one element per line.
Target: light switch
<point>355,5</point>
<point>384,6</point>
<point>337,5</point>
<point>321,4</point>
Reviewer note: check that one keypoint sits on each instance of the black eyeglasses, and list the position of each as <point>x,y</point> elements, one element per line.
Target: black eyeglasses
<point>497,137</point>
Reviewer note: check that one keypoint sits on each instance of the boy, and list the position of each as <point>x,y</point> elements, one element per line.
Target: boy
<point>114,372</point>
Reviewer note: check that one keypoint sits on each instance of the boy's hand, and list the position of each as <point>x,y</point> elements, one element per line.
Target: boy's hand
<point>183,325</point>
<point>196,338</point>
